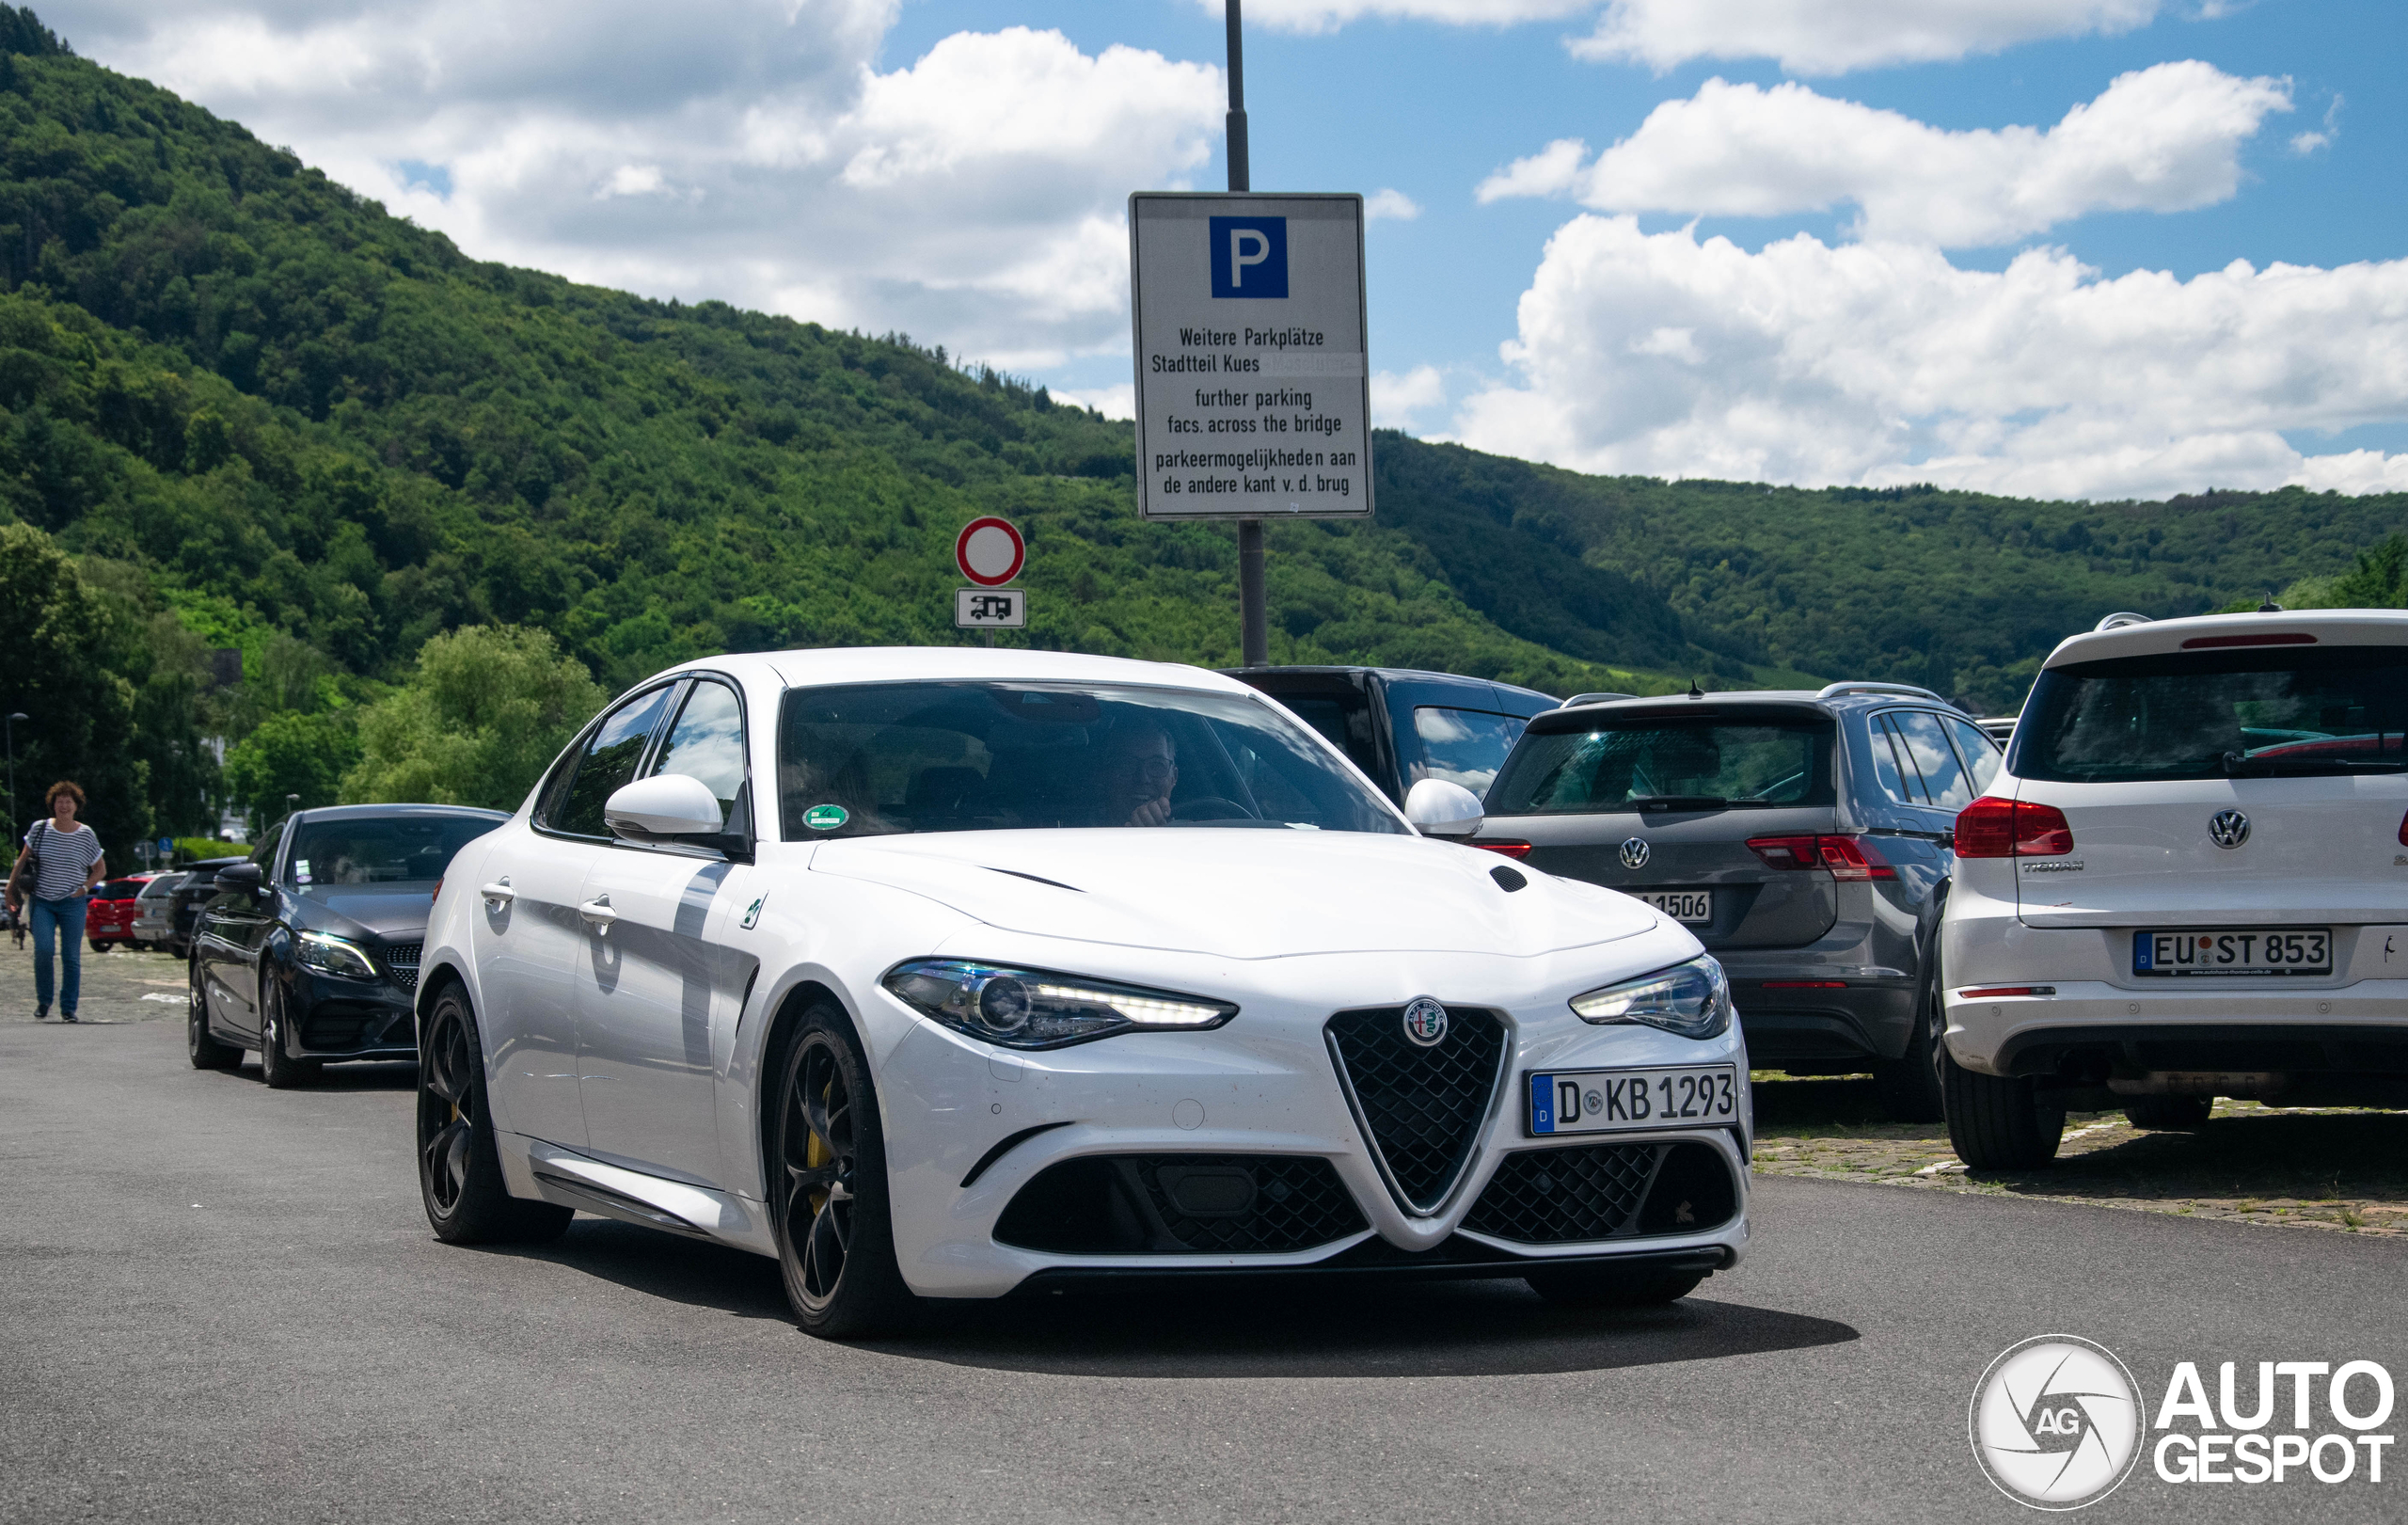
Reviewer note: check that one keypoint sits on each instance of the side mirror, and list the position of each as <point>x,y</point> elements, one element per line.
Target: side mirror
<point>666,807</point>
<point>244,877</point>
<point>1437,806</point>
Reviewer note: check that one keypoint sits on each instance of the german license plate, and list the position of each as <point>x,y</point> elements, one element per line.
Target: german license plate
<point>2221,950</point>
<point>1632,1101</point>
<point>1690,906</point>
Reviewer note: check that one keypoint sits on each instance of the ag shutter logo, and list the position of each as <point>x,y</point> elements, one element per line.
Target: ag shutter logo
<point>1250,256</point>
<point>2056,1423</point>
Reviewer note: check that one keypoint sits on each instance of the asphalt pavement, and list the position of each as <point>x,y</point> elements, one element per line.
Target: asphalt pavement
<point>221,1303</point>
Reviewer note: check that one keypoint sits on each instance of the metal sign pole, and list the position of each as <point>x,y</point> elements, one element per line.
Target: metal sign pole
<point>1253,615</point>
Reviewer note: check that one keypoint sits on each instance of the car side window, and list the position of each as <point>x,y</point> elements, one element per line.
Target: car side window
<point>1464,746</point>
<point>1927,748</point>
<point>610,762</point>
<point>1892,767</point>
<point>707,742</point>
<point>265,855</point>
<point>1981,754</point>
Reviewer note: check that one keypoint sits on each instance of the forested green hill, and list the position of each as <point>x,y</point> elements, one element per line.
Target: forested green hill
<point>253,410</point>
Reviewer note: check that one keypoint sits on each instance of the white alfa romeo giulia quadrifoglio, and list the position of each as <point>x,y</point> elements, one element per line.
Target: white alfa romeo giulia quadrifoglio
<point>943,973</point>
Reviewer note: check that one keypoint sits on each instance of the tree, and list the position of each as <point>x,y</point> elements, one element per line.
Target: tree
<point>292,754</point>
<point>2379,581</point>
<point>489,708</point>
<point>61,669</point>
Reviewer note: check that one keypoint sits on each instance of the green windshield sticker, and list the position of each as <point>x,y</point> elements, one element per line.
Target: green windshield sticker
<point>825,817</point>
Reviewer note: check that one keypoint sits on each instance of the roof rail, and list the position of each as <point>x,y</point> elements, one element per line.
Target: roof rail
<point>2119,619</point>
<point>1593,699</point>
<point>1838,690</point>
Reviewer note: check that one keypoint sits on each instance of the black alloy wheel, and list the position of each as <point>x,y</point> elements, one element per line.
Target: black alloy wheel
<point>2170,1113</point>
<point>277,1067</point>
<point>1606,1286</point>
<point>207,1053</point>
<point>459,1173</point>
<point>1909,1086</point>
<point>829,1194</point>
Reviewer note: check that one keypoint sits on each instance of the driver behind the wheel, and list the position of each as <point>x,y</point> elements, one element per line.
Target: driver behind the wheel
<point>1140,768</point>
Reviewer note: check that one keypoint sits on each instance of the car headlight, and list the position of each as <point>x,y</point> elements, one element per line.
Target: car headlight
<point>333,956</point>
<point>1039,1008</point>
<point>1692,999</point>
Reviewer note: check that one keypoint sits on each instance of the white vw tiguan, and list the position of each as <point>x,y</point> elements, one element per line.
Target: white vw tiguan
<point>2191,881</point>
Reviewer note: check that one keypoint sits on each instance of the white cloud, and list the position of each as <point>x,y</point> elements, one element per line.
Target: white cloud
<point>1398,401</point>
<point>1883,363</point>
<point>1328,15</point>
<point>1831,36</point>
<point>744,150</point>
<point>1391,204</point>
<point>2309,142</point>
<point>1118,402</point>
<point>2165,138</point>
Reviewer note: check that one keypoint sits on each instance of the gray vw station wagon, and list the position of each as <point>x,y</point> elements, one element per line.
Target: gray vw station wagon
<point>1804,837</point>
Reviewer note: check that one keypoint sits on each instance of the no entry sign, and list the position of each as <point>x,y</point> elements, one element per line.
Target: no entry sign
<point>989,551</point>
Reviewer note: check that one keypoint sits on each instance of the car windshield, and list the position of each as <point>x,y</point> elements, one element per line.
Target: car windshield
<point>1704,763</point>
<point>380,850</point>
<point>876,759</point>
<point>2255,712</point>
<point>118,889</point>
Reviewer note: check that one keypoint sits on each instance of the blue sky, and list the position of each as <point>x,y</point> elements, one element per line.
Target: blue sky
<point>1929,295</point>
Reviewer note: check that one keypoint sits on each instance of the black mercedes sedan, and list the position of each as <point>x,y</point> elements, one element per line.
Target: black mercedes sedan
<point>308,950</point>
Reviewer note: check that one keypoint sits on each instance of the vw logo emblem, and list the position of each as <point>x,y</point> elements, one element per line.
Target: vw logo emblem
<point>1633,853</point>
<point>2229,829</point>
<point>1425,1021</point>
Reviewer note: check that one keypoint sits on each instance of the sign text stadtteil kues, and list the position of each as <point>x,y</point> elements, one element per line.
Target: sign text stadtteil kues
<point>1253,397</point>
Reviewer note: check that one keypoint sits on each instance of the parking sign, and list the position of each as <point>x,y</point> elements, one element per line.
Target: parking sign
<point>1253,385</point>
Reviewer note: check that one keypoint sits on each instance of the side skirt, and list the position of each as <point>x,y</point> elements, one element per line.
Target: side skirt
<point>550,1173</point>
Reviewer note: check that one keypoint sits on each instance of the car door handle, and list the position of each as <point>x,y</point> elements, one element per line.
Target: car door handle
<point>499,892</point>
<point>597,911</point>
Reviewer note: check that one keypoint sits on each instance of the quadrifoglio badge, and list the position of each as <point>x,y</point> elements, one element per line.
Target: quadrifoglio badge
<point>2059,1423</point>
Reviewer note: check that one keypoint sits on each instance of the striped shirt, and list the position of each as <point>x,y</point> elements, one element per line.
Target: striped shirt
<point>67,859</point>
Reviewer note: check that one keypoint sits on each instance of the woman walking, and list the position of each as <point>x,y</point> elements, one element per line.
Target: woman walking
<point>68,863</point>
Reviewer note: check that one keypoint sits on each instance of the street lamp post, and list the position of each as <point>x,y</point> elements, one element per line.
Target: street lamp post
<point>1254,615</point>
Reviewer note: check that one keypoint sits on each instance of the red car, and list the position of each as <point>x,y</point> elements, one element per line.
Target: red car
<point>110,917</point>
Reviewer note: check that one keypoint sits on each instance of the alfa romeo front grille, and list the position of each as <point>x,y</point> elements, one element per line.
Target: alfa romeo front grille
<point>1422,1107</point>
<point>1604,1191</point>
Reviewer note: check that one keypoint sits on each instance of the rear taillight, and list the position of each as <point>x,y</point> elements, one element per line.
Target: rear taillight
<point>1995,828</point>
<point>2403,831</point>
<point>1846,857</point>
<point>1511,849</point>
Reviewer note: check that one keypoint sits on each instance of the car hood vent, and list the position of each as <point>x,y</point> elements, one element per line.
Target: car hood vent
<point>1421,1107</point>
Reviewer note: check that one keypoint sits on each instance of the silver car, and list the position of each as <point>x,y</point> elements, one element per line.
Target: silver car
<point>151,919</point>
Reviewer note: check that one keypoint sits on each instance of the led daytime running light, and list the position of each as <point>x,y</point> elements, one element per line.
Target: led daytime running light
<point>1035,1009</point>
<point>1691,999</point>
<point>335,956</point>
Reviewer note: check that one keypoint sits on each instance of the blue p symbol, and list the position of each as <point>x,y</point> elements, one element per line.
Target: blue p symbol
<point>1250,256</point>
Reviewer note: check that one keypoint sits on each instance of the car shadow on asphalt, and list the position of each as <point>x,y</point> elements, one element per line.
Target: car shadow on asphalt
<point>1232,1329</point>
<point>1461,1328</point>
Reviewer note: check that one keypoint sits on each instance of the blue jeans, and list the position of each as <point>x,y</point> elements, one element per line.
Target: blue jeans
<point>68,917</point>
